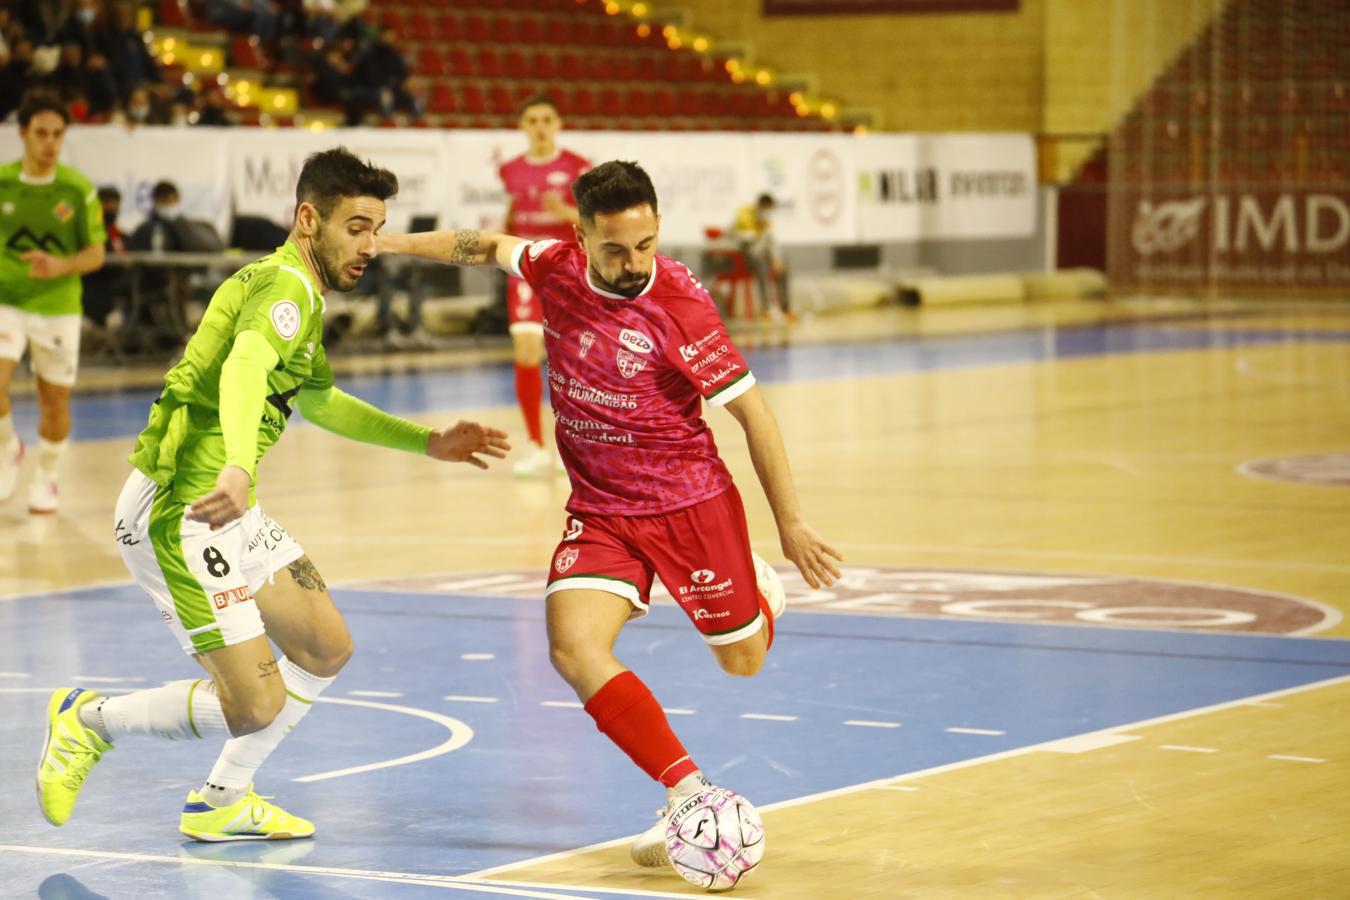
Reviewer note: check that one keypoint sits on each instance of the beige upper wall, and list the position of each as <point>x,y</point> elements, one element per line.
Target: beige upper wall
<point>1054,66</point>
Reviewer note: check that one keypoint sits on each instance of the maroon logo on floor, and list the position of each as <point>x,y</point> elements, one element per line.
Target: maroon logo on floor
<point>1321,468</point>
<point>983,594</point>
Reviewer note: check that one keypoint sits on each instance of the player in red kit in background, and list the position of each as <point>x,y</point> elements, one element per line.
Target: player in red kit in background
<point>539,182</point>
<point>635,345</point>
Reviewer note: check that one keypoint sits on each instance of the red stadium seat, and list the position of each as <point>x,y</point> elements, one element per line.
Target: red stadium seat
<point>420,27</point>
<point>246,52</point>
<point>569,66</point>
<point>173,14</point>
<point>663,102</point>
<point>529,30</point>
<point>392,18</point>
<point>623,68</point>
<point>461,64</point>
<point>583,102</point>
<point>580,32</point>
<point>645,67</point>
<point>513,63</point>
<point>473,101</point>
<point>503,29</point>
<point>637,102</point>
<point>555,33</point>
<point>430,61</point>
<point>448,27</point>
<point>487,63</point>
<point>442,98</point>
<point>542,66</point>
<point>689,103</point>
<point>609,101</point>
<point>500,100</point>
<point>475,28</point>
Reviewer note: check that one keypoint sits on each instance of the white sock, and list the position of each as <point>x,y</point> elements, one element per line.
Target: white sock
<point>242,756</point>
<point>178,711</point>
<point>49,455</point>
<point>687,786</point>
<point>8,437</point>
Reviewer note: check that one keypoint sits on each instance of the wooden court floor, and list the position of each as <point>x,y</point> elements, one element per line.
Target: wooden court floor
<point>1122,460</point>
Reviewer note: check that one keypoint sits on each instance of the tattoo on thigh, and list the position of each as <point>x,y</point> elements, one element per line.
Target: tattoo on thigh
<point>305,575</point>
<point>267,668</point>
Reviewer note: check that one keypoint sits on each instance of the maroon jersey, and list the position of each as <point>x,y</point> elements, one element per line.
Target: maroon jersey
<point>528,180</point>
<point>626,379</point>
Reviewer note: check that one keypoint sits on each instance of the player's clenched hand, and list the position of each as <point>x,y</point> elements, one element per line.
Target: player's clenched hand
<point>43,265</point>
<point>461,443</point>
<point>814,558</point>
<point>227,502</point>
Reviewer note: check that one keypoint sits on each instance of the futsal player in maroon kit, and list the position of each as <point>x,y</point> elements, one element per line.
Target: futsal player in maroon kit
<point>635,346</point>
<point>539,182</point>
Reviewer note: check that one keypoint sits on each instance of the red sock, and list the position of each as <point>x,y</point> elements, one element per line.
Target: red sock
<point>768,619</point>
<point>626,712</point>
<point>530,392</point>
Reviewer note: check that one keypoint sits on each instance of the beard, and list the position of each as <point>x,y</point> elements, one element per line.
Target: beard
<point>630,286</point>
<point>331,268</point>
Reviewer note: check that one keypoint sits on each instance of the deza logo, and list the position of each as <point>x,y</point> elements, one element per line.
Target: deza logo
<point>636,340</point>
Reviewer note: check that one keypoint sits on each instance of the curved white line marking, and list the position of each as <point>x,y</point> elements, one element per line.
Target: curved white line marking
<point>460,734</point>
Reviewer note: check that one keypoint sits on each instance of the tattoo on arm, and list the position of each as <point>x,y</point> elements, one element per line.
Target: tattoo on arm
<point>466,247</point>
<point>268,668</point>
<point>305,575</point>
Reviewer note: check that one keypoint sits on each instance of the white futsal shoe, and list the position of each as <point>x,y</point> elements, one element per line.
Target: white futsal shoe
<point>538,462</point>
<point>770,587</point>
<point>649,850</point>
<point>10,458</point>
<point>42,496</point>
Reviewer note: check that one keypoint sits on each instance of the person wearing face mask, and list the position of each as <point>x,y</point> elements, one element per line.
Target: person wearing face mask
<point>103,287</point>
<point>753,231</point>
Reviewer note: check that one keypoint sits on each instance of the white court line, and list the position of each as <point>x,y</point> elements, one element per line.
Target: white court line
<point>16,675</point>
<point>863,723</point>
<point>467,698</point>
<point>460,734</point>
<point>449,882</point>
<point>1182,748</point>
<point>390,695</point>
<point>889,782</point>
<point>988,732</point>
<point>768,717</point>
<point>562,704</point>
<point>897,787</point>
<point>1306,759</point>
<point>476,656</point>
<point>677,711</point>
<point>1267,705</point>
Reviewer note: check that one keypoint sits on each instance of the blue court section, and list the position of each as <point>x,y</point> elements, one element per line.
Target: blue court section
<point>536,778</point>
<point>123,414</point>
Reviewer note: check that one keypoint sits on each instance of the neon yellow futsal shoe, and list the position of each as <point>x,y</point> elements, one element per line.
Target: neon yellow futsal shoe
<point>249,819</point>
<point>69,753</point>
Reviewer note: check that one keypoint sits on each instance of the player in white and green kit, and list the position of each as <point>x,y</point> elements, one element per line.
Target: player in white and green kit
<point>225,577</point>
<point>51,233</point>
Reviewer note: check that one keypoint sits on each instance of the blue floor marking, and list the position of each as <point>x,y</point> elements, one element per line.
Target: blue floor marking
<point>99,416</point>
<point>536,779</point>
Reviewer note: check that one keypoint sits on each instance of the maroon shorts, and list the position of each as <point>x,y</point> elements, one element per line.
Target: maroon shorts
<point>701,554</point>
<point>522,306</point>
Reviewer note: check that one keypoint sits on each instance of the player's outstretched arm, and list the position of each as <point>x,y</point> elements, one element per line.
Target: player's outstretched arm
<point>803,547</point>
<point>350,417</point>
<point>463,441</point>
<point>462,247</point>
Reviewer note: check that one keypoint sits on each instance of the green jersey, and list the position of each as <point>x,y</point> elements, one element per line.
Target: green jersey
<point>182,447</point>
<point>61,216</point>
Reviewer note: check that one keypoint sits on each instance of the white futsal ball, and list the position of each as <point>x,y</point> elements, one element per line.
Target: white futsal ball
<point>770,585</point>
<point>714,839</point>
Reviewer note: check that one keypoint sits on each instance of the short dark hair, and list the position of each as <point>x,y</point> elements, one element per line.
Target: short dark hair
<point>330,175</point>
<point>766,200</point>
<point>39,101</point>
<point>163,189</point>
<point>613,187</point>
<point>537,100</point>
<point>108,192</point>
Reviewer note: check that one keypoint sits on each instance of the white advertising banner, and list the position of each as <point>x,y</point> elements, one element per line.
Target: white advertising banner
<point>264,166</point>
<point>811,178</point>
<point>915,187</point>
<point>132,160</point>
<point>830,189</point>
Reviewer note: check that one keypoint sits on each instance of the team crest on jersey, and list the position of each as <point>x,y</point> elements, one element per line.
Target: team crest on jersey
<point>538,247</point>
<point>285,318</point>
<point>586,340</point>
<point>629,365</point>
<point>63,212</point>
<point>565,559</point>
<point>636,340</point>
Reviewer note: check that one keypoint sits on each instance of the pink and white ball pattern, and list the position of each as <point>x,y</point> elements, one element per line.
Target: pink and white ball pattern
<point>715,839</point>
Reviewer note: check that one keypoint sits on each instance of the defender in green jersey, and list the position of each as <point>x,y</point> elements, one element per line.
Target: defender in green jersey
<point>224,575</point>
<point>51,233</point>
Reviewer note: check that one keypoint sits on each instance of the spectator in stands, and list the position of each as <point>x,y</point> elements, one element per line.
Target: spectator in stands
<point>45,20</point>
<point>130,61</point>
<point>381,82</point>
<point>330,74</point>
<point>209,109</point>
<point>753,231</point>
<point>103,288</point>
<point>258,17</point>
<point>15,75</point>
<point>141,109</point>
